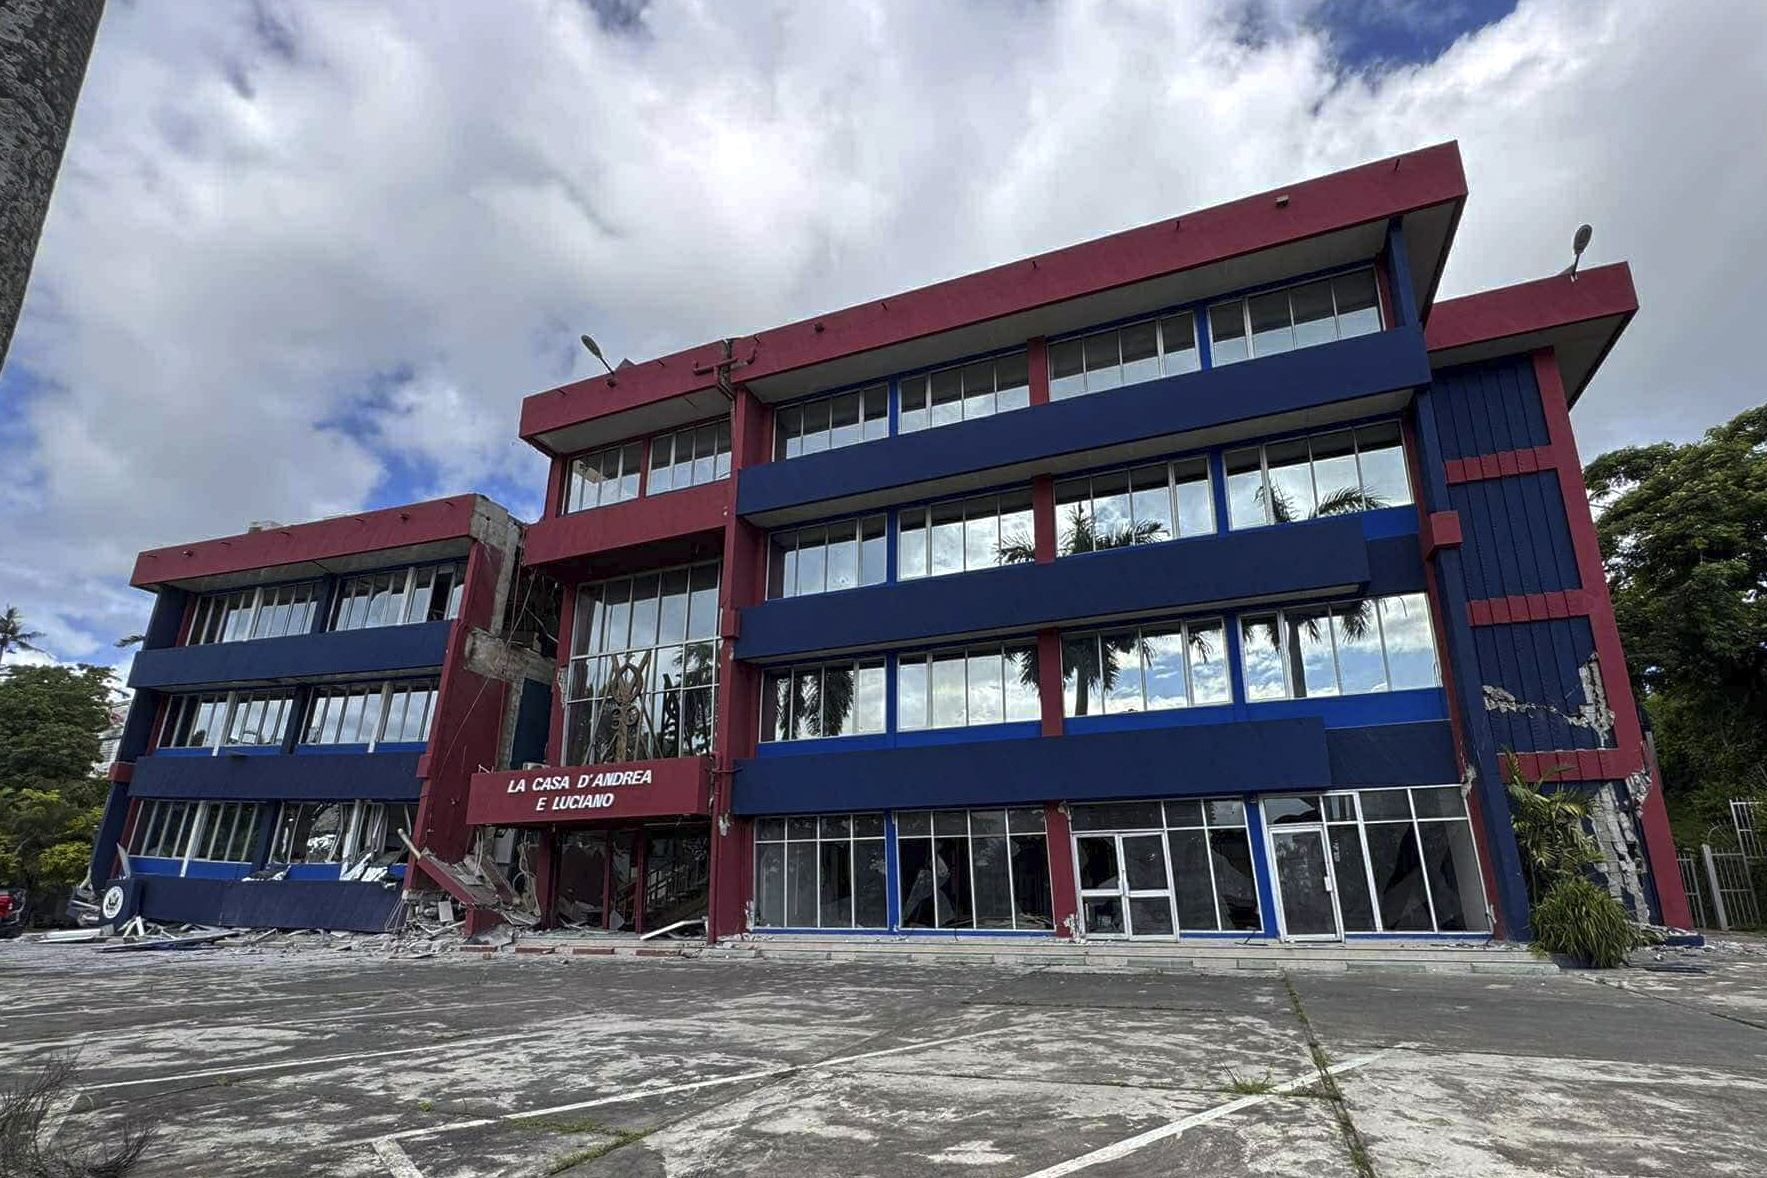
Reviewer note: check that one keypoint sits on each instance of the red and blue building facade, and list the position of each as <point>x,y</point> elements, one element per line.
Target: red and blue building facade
<point>1197,581</point>
<point>925,705</point>
<point>305,699</point>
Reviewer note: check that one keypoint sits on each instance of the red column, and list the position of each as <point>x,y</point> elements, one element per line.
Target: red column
<point>1037,358</point>
<point>554,504</point>
<point>1064,889</point>
<point>546,874</point>
<point>1628,735</point>
<point>567,616</point>
<point>1049,680</point>
<point>742,584</point>
<point>1043,517</point>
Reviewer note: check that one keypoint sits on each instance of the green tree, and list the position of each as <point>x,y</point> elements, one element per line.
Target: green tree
<point>51,800</point>
<point>1683,531</point>
<point>13,635</point>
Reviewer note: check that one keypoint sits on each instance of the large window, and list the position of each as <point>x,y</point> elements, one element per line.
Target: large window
<point>1296,317</point>
<point>371,714</point>
<point>1327,474</point>
<point>270,612</point>
<point>604,477</point>
<point>826,872</point>
<point>964,393</point>
<point>689,457</point>
<point>644,667</point>
<point>1122,356</point>
<point>829,423</point>
<point>162,828</point>
<point>1145,668</point>
<point>1198,878</point>
<point>229,832</point>
<point>1403,860</point>
<point>965,535</point>
<point>826,558</point>
<point>1349,648</point>
<point>340,832</point>
<point>1144,505</point>
<point>974,869</point>
<point>227,719</point>
<point>835,699</point>
<point>959,688</point>
<point>422,593</point>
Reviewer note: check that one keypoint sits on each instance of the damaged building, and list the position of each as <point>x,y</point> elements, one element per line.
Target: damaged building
<point>1195,581</point>
<point>309,698</point>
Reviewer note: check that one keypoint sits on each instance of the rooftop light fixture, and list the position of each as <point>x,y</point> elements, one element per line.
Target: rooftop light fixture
<point>1579,243</point>
<point>596,352</point>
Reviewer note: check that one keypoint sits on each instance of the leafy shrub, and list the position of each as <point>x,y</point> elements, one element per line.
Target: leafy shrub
<point>1583,922</point>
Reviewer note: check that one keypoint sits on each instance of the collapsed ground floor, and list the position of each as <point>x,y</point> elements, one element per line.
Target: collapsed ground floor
<point>1296,866</point>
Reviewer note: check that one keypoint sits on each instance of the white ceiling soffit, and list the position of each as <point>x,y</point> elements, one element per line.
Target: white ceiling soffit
<point>1580,346</point>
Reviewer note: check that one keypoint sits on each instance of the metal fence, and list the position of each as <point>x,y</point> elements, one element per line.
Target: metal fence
<point>1721,888</point>
<point>1750,819</point>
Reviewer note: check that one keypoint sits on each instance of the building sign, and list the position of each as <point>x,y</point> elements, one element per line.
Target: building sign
<point>642,789</point>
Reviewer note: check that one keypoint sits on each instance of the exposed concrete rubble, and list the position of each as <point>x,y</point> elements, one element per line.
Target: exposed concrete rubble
<point>1594,713</point>
<point>1623,858</point>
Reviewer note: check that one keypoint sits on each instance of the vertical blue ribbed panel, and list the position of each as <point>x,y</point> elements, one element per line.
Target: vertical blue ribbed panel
<point>1538,664</point>
<point>1489,408</point>
<point>1517,538</point>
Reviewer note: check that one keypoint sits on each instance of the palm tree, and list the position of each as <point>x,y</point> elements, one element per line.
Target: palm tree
<point>1100,665</point>
<point>44,45</point>
<point>13,635</point>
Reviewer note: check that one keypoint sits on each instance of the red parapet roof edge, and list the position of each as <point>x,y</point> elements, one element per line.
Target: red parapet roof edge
<point>1369,192</point>
<point>1529,307</point>
<point>345,535</point>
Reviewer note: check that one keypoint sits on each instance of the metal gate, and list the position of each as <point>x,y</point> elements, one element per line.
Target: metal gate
<point>1750,820</point>
<point>1721,888</point>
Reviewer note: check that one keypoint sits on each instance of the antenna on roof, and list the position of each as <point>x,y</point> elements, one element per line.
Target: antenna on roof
<point>1579,243</point>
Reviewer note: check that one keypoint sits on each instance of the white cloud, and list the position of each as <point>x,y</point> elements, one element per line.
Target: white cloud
<point>400,216</point>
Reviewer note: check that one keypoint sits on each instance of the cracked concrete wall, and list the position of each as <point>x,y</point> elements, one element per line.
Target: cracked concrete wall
<point>1624,867</point>
<point>1592,714</point>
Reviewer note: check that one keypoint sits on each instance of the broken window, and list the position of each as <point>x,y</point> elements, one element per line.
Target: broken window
<point>1405,861</point>
<point>821,872</point>
<point>312,832</point>
<point>229,832</point>
<point>974,869</point>
<point>162,828</point>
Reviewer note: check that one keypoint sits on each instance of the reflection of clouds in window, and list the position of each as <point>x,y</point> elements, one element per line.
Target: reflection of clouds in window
<point>1377,644</point>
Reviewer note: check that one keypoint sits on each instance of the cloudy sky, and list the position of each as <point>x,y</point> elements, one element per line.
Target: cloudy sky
<point>307,257</point>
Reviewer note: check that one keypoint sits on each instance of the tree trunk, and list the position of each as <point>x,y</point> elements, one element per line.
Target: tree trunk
<point>44,45</point>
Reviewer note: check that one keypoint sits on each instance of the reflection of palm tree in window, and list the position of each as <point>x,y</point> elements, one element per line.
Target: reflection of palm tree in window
<point>1100,664</point>
<point>824,700</point>
<point>1343,501</point>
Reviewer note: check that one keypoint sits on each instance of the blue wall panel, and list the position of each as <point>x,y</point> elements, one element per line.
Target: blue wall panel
<point>1489,408</point>
<point>1293,560</point>
<point>1538,663</point>
<point>416,647</point>
<point>533,722</point>
<point>388,776</point>
<point>1233,757</point>
<point>1305,379</point>
<point>362,907</point>
<point>1516,537</point>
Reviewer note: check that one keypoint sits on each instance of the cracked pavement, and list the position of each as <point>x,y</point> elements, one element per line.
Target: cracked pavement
<point>302,1062</point>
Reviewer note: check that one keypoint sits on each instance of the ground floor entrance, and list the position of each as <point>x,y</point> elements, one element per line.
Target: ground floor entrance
<point>1319,866</point>
<point>632,878</point>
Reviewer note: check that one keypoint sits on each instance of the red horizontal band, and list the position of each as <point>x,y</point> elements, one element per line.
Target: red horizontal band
<point>1501,465</point>
<point>1530,607</point>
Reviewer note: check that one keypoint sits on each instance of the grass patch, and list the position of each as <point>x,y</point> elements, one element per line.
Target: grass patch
<point>1248,1085</point>
<point>1360,1159</point>
<point>426,1106</point>
<point>565,1125</point>
<point>576,1158</point>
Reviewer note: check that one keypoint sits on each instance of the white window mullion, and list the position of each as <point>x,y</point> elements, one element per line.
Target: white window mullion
<point>197,823</point>
<point>410,594</point>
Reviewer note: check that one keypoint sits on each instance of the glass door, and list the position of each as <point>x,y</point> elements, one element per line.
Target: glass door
<point>1125,885</point>
<point>1306,890</point>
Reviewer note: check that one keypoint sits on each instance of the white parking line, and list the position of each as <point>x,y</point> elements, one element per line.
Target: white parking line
<point>1129,1145</point>
<point>396,1160</point>
<point>474,1042</point>
<point>671,1089</point>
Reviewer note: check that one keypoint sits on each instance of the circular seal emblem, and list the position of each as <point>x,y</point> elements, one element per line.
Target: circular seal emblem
<point>111,906</point>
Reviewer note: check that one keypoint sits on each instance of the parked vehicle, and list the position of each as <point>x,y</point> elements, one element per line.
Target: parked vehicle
<point>12,912</point>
